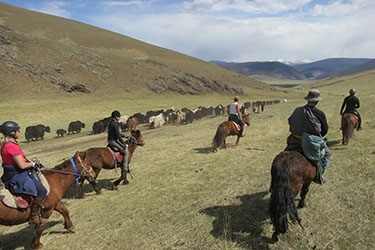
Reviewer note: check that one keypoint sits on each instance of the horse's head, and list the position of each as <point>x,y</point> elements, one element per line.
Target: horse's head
<point>137,138</point>
<point>246,119</point>
<point>85,168</point>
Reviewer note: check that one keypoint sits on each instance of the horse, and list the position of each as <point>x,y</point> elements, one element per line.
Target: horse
<point>349,122</point>
<point>226,129</point>
<point>104,157</point>
<point>291,173</point>
<point>59,179</point>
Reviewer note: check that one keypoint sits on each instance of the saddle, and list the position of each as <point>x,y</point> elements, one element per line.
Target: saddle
<point>117,156</point>
<point>237,125</point>
<point>22,201</point>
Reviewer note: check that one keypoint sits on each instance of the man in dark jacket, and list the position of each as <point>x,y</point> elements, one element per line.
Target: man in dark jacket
<point>351,104</point>
<point>115,140</point>
<point>298,125</point>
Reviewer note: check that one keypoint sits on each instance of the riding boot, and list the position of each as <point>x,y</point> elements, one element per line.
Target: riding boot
<point>359,124</point>
<point>36,207</point>
<point>240,134</point>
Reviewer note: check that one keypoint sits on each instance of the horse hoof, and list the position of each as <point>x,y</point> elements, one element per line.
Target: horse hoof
<point>38,246</point>
<point>114,187</point>
<point>70,229</point>
<point>125,182</point>
<point>275,237</point>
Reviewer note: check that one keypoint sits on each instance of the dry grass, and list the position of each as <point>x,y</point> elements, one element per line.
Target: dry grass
<point>183,196</point>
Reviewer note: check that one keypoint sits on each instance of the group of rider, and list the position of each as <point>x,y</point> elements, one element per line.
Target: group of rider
<point>19,172</point>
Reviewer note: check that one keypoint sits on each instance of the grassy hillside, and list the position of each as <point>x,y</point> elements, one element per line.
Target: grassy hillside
<point>47,54</point>
<point>183,196</point>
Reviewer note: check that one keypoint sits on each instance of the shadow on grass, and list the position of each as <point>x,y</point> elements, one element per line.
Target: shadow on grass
<point>207,150</point>
<point>22,239</point>
<point>242,223</point>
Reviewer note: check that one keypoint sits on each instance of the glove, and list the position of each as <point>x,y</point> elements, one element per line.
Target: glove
<point>35,162</point>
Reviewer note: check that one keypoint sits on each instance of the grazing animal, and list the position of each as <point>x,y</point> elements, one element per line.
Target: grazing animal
<point>60,132</point>
<point>59,178</point>
<point>132,123</point>
<point>349,122</point>
<point>291,173</point>
<point>98,127</point>
<point>226,129</point>
<point>75,127</point>
<point>34,132</point>
<point>105,158</point>
<point>156,121</point>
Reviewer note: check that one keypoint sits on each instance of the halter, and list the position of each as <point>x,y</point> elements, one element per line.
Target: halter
<point>77,174</point>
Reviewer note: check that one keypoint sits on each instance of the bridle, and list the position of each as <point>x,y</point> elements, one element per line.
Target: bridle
<point>85,171</point>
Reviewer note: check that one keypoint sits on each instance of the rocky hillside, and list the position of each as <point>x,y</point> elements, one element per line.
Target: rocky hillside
<point>47,54</point>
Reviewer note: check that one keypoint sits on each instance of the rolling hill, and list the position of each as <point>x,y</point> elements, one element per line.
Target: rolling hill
<point>318,70</point>
<point>55,56</point>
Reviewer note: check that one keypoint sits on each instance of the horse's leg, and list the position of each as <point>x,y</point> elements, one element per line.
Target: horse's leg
<point>304,190</point>
<point>39,228</point>
<point>68,224</point>
<point>238,139</point>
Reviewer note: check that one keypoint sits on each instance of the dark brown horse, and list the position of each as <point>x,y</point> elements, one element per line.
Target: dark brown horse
<point>349,122</point>
<point>105,158</point>
<point>291,174</point>
<point>59,178</point>
<point>226,129</point>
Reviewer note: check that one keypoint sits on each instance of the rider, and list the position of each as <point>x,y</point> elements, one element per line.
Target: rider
<point>17,176</point>
<point>235,114</point>
<point>297,126</point>
<point>351,104</point>
<point>115,139</point>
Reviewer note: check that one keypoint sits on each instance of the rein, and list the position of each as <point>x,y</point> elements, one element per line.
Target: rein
<point>75,169</point>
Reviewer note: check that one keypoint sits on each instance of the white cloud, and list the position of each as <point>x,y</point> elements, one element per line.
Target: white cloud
<point>237,30</point>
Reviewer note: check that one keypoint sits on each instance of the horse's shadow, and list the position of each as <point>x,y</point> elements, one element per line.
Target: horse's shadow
<point>75,192</point>
<point>22,239</point>
<point>242,223</point>
<point>206,150</point>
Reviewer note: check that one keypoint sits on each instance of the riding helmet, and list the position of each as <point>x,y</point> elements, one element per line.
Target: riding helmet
<point>8,127</point>
<point>115,113</point>
<point>352,91</point>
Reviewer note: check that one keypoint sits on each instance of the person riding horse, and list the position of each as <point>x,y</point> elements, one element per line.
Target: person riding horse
<point>115,140</point>
<point>298,124</point>
<point>19,175</point>
<point>235,115</point>
<point>351,104</point>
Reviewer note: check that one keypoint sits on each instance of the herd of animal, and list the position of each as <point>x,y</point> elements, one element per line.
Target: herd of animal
<point>153,119</point>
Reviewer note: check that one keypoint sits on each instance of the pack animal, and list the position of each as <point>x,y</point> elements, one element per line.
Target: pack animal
<point>60,132</point>
<point>35,132</point>
<point>75,127</point>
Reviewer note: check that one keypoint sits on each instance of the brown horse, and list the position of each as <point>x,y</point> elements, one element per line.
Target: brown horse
<point>291,173</point>
<point>59,178</point>
<point>226,129</point>
<point>132,123</point>
<point>349,122</point>
<point>105,158</point>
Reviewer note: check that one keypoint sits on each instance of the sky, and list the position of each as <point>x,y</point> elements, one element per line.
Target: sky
<point>288,31</point>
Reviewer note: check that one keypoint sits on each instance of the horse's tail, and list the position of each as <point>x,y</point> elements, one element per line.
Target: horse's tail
<point>218,139</point>
<point>281,204</point>
<point>347,129</point>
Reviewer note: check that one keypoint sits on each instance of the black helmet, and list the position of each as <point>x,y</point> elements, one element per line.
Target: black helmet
<point>352,91</point>
<point>8,127</point>
<point>115,113</point>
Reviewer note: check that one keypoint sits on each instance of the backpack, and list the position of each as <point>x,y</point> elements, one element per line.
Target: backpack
<point>313,145</point>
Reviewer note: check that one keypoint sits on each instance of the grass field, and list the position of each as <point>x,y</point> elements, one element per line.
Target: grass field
<point>183,196</point>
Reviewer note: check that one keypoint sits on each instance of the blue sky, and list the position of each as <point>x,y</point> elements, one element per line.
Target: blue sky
<point>232,30</point>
